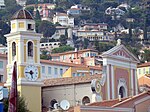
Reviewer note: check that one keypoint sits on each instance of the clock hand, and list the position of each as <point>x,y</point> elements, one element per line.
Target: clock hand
<point>31,72</point>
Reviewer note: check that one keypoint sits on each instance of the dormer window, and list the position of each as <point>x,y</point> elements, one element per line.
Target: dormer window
<point>13,49</point>
<point>30,27</point>
<point>30,49</point>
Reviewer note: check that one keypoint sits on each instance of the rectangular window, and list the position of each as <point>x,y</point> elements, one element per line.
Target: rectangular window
<point>74,74</point>
<point>1,64</point>
<point>49,70</point>
<point>56,72</point>
<point>1,78</point>
<point>143,70</point>
<point>139,71</point>
<point>78,74</point>
<point>83,74</point>
<point>61,71</point>
<point>21,25</point>
<point>43,69</point>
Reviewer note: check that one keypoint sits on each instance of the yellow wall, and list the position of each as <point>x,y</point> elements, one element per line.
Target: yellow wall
<point>67,73</point>
<point>32,95</point>
<point>76,70</point>
<point>143,71</point>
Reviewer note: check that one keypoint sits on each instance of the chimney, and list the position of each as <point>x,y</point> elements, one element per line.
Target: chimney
<point>76,50</point>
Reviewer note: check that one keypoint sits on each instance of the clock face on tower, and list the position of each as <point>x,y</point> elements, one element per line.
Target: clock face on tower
<point>31,72</point>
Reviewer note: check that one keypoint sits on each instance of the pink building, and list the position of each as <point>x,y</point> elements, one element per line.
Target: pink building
<point>85,57</point>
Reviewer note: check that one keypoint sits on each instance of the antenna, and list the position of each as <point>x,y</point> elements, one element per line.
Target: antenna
<point>64,104</point>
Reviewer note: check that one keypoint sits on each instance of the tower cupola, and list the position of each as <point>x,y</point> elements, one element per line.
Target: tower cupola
<point>22,20</point>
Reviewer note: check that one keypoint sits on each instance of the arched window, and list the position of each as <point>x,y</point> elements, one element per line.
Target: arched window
<point>30,49</point>
<point>13,49</point>
<point>122,91</point>
<point>85,100</point>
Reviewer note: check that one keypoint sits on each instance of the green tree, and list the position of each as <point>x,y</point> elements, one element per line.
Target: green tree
<point>30,9</point>
<point>37,15</point>
<point>63,40</point>
<point>30,2</point>
<point>146,55</point>
<point>45,55</point>
<point>46,28</point>
<point>62,49</point>
<point>4,29</point>
<point>22,105</point>
<point>11,8</point>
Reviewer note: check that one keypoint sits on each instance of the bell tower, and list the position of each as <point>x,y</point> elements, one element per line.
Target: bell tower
<point>23,47</point>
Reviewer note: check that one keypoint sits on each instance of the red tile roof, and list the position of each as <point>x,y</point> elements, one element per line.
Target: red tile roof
<point>144,80</point>
<point>61,14</point>
<point>107,103</point>
<point>3,55</point>
<point>70,80</point>
<point>79,51</point>
<point>116,102</point>
<point>144,65</point>
<point>131,98</point>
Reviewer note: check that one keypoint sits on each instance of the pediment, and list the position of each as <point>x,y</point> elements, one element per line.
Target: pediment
<point>120,52</point>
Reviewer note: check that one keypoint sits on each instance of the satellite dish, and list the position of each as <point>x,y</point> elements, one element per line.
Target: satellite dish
<point>64,104</point>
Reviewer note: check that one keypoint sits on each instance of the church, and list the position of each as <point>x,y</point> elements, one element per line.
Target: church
<point>118,79</point>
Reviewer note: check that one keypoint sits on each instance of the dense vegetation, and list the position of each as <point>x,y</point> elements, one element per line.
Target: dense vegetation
<point>22,105</point>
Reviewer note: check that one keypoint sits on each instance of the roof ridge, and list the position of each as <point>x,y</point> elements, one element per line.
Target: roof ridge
<point>130,98</point>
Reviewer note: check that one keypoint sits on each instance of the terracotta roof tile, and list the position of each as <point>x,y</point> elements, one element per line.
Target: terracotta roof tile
<point>3,55</point>
<point>70,80</point>
<point>107,103</point>
<point>144,65</point>
<point>131,98</point>
<point>144,80</point>
<point>61,14</point>
<point>79,51</point>
<point>22,14</point>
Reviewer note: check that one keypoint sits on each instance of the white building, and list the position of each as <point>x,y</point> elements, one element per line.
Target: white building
<point>81,7</point>
<point>93,31</point>
<point>93,35</point>
<point>60,30</point>
<point>21,2</point>
<point>63,19</point>
<point>49,45</point>
<point>2,4</point>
